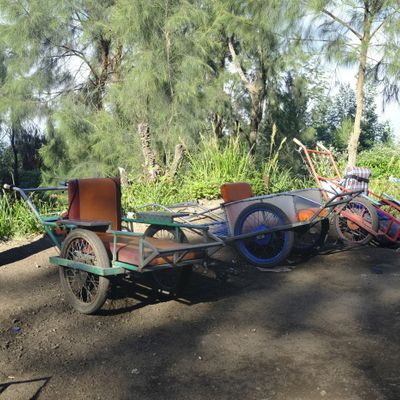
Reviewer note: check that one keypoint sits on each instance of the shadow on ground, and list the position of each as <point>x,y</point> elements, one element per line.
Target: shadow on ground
<point>26,250</point>
<point>328,329</point>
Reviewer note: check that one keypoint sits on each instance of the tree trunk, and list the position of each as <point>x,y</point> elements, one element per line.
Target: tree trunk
<point>15,155</point>
<point>101,81</point>
<point>256,114</point>
<point>151,168</point>
<point>255,119</point>
<point>123,176</point>
<point>256,89</point>
<point>355,135</point>
<point>178,157</point>
<point>217,126</point>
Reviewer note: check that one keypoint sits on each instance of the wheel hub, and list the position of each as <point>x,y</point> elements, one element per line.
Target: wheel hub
<point>262,239</point>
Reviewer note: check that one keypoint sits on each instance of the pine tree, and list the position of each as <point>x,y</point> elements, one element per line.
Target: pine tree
<point>352,28</point>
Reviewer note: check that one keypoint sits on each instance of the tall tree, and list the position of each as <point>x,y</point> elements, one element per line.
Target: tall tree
<point>260,38</point>
<point>353,28</point>
<point>18,106</point>
<point>69,55</point>
<point>176,74</point>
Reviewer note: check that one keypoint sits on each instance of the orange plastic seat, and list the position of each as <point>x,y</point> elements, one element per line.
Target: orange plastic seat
<point>307,213</point>
<point>236,191</point>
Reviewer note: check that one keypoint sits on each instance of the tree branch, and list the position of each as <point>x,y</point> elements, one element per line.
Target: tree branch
<point>383,22</point>
<point>81,56</point>
<point>236,61</point>
<point>342,22</point>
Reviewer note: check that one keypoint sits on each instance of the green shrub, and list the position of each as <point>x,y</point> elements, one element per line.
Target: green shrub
<point>383,160</point>
<point>380,186</point>
<point>139,192</point>
<point>5,218</point>
<point>16,218</point>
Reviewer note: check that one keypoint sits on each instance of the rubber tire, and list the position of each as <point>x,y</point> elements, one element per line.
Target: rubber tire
<point>183,273</point>
<point>102,260</point>
<point>374,223</point>
<point>317,241</point>
<point>288,236</point>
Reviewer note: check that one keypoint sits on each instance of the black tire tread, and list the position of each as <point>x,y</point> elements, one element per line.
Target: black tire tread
<point>103,261</point>
<point>374,222</point>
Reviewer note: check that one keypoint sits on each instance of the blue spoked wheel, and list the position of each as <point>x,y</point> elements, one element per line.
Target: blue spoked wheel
<point>263,250</point>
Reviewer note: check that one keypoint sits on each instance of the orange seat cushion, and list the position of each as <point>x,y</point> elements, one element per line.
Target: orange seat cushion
<point>236,191</point>
<point>128,249</point>
<point>97,199</point>
<point>307,213</point>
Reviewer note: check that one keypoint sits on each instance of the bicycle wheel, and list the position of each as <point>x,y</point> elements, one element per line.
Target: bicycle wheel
<point>84,291</point>
<point>349,231</point>
<point>172,280</point>
<point>263,250</point>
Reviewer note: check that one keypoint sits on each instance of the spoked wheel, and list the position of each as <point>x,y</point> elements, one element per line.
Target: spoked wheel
<point>307,238</point>
<point>349,231</point>
<point>263,250</point>
<point>171,280</point>
<point>85,292</point>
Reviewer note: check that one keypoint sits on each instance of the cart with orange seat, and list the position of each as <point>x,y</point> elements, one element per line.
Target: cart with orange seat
<point>264,229</point>
<point>93,247</point>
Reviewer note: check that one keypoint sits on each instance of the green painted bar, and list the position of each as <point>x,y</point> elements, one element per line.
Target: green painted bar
<point>123,265</point>
<point>149,221</point>
<point>93,269</point>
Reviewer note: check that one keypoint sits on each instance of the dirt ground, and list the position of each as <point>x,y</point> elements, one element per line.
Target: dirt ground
<point>329,329</point>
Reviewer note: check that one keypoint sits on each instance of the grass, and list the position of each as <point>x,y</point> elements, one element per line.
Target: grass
<point>203,172</point>
<point>17,220</point>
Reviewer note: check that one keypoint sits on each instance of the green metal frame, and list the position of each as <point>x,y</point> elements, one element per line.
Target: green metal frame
<point>52,222</point>
<point>93,269</point>
<point>119,267</point>
<point>145,258</point>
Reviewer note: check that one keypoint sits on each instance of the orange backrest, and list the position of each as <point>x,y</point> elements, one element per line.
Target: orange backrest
<point>95,199</point>
<point>236,191</point>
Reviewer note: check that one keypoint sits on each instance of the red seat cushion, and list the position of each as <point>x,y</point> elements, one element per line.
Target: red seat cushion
<point>128,249</point>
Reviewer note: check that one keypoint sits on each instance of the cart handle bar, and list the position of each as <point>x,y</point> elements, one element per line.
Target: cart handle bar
<point>322,147</point>
<point>332,203</point>
<point>6,186</point>
<point>319,144</point>
<point>21,191</point>
<point>297,141</point>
